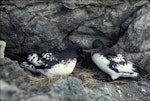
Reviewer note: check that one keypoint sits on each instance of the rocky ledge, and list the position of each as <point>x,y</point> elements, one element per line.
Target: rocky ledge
<point>18,85</point>
<point>43,25</point>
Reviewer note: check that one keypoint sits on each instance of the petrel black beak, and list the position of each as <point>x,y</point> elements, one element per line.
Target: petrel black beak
<point>90,50</point>
<point>87,50</point>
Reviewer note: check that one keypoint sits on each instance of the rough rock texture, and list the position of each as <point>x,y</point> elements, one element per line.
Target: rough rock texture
<point>2,48</point>
<point>43,25</point>
<point>139,27</point>
<point>38,26</point>
<point>10,71</point>
<point>15,86</point>
<point>135,44</point>
<point>8,92</point>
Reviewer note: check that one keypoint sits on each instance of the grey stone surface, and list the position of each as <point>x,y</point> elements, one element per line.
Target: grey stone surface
<point>139,28</point>
<point>38,98</point>
<point>66,89</point>
<point>10,70</point>
<point>72,4</point>
<point>40,26</point>
<point>135,43</point>
<point>104,24</point>
<point>8,92</point>
<point>2,48</point>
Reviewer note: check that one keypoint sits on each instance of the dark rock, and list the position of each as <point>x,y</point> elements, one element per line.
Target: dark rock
<point>139,28</point>
<point>85,41</point>
<point>70,89</point>
<point>2,48</point>
<point>31,29</point>
<point>39,98</point>
<point>72,4</point>
<point>137,36</point>
<point>105,25</point>
<point>136,91</point>
<point>10,70</point>
<point>9,92</point>
<point>135,43</point>
<point>22,3</point>
<point>40,26</point>
<point>15,86</point>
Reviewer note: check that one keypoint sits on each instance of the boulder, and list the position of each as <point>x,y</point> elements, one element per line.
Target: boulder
<point>135,42</point>
<point>10,70</point>
<point>17,85</point>
<point>9,92</point>
<point>40,26</point>
<point>2,48</point>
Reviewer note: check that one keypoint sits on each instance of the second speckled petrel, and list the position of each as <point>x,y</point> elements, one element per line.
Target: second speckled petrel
<point>110,62</point>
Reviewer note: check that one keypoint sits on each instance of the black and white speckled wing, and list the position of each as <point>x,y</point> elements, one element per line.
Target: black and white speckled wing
<point>122,67</point>
<point>28,66</point>
<point>49,59</point>
<point>40,61</point>
<point>118,58</point>
<point>119,64</point>
<point>35,60</point>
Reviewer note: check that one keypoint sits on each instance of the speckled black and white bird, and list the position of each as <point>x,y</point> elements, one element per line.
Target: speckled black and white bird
<point>52,63</point>
<point>110,62</point>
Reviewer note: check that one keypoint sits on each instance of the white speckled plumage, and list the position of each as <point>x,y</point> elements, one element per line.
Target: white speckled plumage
<point>51,64</point>
<point>112,63</point>
<point>35,60</point>
<point>117,70</point>
<point>118,58</point>
<point>49,56</point>
<point>62,68</point>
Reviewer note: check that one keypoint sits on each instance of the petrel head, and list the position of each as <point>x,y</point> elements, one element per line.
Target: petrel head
<point>32,57</point>
<point>35,60</point>
<point>97,44</point>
